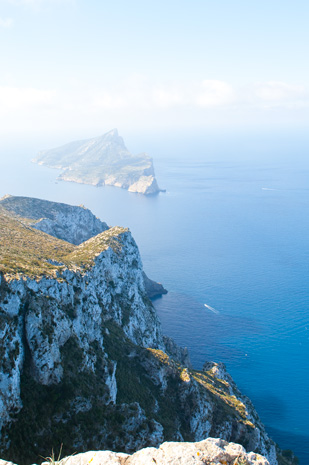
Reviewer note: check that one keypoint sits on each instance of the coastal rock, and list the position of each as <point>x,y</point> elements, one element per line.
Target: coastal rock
<point>74,224</point>
<point>145,185</point>
<point>209,451</point>
<point>153,289</point>
<point>103,160</point>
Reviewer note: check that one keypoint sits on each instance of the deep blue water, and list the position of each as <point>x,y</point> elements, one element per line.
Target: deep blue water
<point>230,232</point>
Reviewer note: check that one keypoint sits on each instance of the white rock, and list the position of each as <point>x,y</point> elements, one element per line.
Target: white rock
<point>211,451</point>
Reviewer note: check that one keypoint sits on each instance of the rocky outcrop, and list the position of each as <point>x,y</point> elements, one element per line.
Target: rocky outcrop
<point>74,224</point>
<point>103,160</point>
<point>145,185</point>
<point>153,289</point>
<point>210,451</point>
<point>84,362</point>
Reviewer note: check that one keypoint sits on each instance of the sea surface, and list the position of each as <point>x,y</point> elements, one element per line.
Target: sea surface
<point>229,239</point>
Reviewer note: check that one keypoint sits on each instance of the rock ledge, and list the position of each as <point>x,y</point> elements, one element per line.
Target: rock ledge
<point>211,451</point>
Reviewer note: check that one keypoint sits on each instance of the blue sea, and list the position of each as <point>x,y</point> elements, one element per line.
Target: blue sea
<point>229,239</point>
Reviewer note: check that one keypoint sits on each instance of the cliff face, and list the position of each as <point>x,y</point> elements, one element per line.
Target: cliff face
<point>53,337</point>
<point>73,224</point>
<point>84,363</point>
<point>103,160</point>
<point>69,223</point>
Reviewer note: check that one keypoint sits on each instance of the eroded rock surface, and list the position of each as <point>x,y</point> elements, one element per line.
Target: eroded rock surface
<point>74,224</point>
<point>208,452</point>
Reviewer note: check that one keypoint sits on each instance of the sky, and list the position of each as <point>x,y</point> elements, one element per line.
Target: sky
<point>78,68</point>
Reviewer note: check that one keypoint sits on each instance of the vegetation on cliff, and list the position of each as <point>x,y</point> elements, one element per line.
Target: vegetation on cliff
<point>27,252</point>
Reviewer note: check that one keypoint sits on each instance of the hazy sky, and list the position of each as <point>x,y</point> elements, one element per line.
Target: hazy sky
<point>87,66</point>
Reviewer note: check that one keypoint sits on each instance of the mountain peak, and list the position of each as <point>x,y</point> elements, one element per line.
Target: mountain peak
<point>112,133</point>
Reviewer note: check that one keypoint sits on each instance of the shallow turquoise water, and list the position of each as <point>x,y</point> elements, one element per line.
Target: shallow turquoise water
<point>231,232</point>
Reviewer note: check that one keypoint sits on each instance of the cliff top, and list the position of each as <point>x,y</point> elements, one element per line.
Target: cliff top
<point>74,224</point>
<point>25,250</point>
<point>108,149</point>
<point>32,208</point>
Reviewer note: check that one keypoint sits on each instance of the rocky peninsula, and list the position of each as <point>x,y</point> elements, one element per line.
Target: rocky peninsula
<point>84,362</point>
<point>100,161</point>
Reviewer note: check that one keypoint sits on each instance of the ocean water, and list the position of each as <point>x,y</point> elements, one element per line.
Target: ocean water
<point>230,232</point>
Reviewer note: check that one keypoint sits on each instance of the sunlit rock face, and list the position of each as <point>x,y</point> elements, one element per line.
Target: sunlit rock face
<point>74,224</point>
<point>210,451</point>
<point>103,160</point>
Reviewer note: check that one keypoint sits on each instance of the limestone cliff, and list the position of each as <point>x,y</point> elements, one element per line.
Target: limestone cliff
<point>74,224</point>
<point>153,289</point>
<point>103,160</point>
<point>83,359</point>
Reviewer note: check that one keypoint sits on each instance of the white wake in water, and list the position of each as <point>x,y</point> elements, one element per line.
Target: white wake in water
<point>212,309</point>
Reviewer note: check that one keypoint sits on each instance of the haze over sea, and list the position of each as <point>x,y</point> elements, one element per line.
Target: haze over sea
<point>231,232</point>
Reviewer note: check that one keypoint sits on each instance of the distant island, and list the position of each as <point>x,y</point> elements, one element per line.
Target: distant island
<point>100,161</point>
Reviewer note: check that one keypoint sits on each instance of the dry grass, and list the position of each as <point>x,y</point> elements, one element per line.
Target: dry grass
<point>25,251</point>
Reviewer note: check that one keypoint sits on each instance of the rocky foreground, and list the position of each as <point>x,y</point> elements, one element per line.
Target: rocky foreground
<point>208,452</point>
